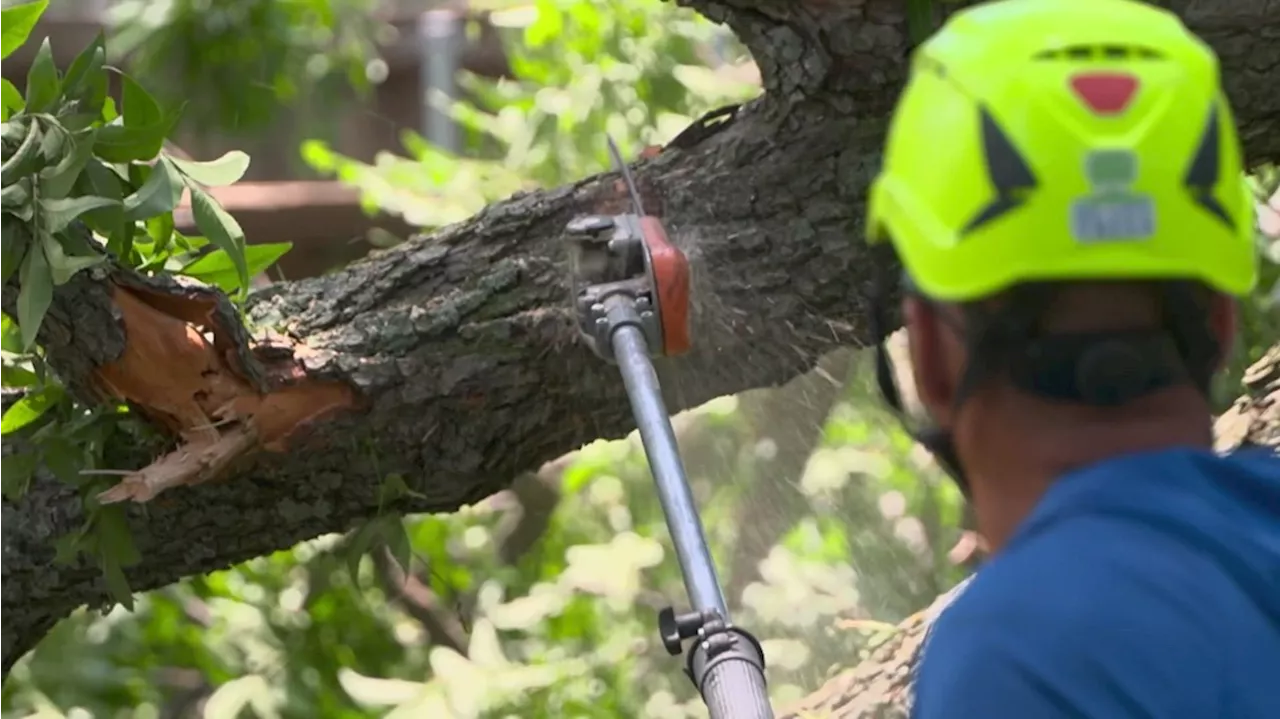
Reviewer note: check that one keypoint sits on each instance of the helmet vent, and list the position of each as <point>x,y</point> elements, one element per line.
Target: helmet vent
<point>1100,52</point>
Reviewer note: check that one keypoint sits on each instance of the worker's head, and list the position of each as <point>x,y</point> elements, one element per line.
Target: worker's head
<point>1063,185</point>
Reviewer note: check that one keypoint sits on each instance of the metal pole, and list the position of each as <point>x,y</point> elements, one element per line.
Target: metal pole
<point>630,351</point>
<point>439,45</point>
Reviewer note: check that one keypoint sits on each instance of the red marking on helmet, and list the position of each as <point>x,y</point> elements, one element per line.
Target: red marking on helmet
<point>1106,93</point>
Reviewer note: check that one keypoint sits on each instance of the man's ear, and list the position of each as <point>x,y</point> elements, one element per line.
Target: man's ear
<point>930,364</point>
<point>1224,322</point>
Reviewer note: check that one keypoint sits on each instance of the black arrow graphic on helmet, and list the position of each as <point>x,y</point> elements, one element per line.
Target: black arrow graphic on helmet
<point>1203,175</point>
<point>1008,172</point>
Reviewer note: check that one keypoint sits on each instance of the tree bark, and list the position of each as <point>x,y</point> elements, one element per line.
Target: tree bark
<point>451,360</point>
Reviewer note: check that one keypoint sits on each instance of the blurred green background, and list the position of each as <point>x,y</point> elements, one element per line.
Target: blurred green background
<point>828,524</point>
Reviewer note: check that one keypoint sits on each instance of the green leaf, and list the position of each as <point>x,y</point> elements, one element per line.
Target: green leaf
<point>139,109</point>
<point>18,22</point>
<point>225,170</point>
<point>64,458</point>
<point>143,127</point>
<point>85,83</point>
<point>160,230</point>
<point>30,408</point>
<point>12,375</point>
<point>35,296</point>
<point>117,582</point>
<point>26,159</point>
<point>14,245</point>
<point>99,179</point>
<point>16,200</point>
<point>397,539</point>
<point>10,337</point>
<point>394,488</point>
<point>218,269</point>
<point>63,266</point>
<point>67,548</point>
<point>43,85</point>
<point>16,471</point>
<point>358,546</point>
<point>60,213</point>
<point>10,99</point>
<point>221,229</point>
<point>115,540</point>
<point>57,181</point>
<point>158,195</point>
<point>52,145</point>
<point>117,143</point>
<point>189,242</point>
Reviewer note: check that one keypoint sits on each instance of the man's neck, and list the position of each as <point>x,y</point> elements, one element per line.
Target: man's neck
<point>1051,442</point>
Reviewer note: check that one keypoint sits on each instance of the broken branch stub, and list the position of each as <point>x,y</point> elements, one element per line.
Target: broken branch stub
<point>182,368</point>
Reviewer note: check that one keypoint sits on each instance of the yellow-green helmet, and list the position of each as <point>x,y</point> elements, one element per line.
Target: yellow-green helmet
<point>1060,140</point>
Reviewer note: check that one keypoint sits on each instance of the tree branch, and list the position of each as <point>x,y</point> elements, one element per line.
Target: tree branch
<point>451,360</point>
<point>440,623</point>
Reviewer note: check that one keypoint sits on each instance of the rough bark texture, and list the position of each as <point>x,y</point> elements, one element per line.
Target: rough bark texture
<point>458,347</point>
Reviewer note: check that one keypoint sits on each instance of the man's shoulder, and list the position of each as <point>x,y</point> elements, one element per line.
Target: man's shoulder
<point>1066,628</point>
<point>1104,555</point>
<point>1089,580</point>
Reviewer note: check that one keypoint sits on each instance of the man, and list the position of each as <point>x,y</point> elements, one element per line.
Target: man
<point>1063,185</point>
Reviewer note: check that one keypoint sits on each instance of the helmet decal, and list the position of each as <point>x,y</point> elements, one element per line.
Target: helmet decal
<point>1105,93</point>
<point>1203,175</point>
<point>1112,211</point>
<point>1008,172</point>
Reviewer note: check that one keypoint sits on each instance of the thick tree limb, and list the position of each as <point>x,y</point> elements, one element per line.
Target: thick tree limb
<point>450,360</point>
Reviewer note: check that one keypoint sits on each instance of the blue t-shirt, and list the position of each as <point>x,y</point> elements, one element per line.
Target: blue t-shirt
<point>1147,586</point>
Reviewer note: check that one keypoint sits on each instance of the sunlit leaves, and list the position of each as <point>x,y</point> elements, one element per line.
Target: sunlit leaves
<point>225,170</point>
<point>217,268</point>
<point>11,100</point>
<point>18,21</point>
<point>221,229</point>
<point>43,83</point>
<point>238,62</point>
<point>30,408</point>
<point>85,185</point>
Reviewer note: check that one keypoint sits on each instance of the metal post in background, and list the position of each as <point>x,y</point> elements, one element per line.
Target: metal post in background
<point>440,36</point>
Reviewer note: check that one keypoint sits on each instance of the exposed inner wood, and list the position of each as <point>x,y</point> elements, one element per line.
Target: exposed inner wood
<point>178,369</point>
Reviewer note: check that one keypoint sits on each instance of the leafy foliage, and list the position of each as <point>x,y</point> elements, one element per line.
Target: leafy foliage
<point>239,61</point>
<point>635,70</point>
<point>86,188</point>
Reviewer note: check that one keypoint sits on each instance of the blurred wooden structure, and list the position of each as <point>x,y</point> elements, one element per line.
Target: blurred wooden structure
<point>280,200</point>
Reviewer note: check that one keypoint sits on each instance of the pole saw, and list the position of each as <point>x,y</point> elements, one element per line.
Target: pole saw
<point>631,301</point>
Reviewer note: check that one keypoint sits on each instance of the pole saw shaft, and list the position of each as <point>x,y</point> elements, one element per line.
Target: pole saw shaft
<point>631,301</point>
<point>632,355</point>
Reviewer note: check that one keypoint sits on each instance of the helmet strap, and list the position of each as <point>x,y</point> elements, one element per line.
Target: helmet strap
<point>1100,369</point>
<point>934,439</point>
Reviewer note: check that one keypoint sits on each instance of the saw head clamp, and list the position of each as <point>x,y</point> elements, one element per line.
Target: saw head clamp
<point>627,258</point>
<point>624,267</point>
